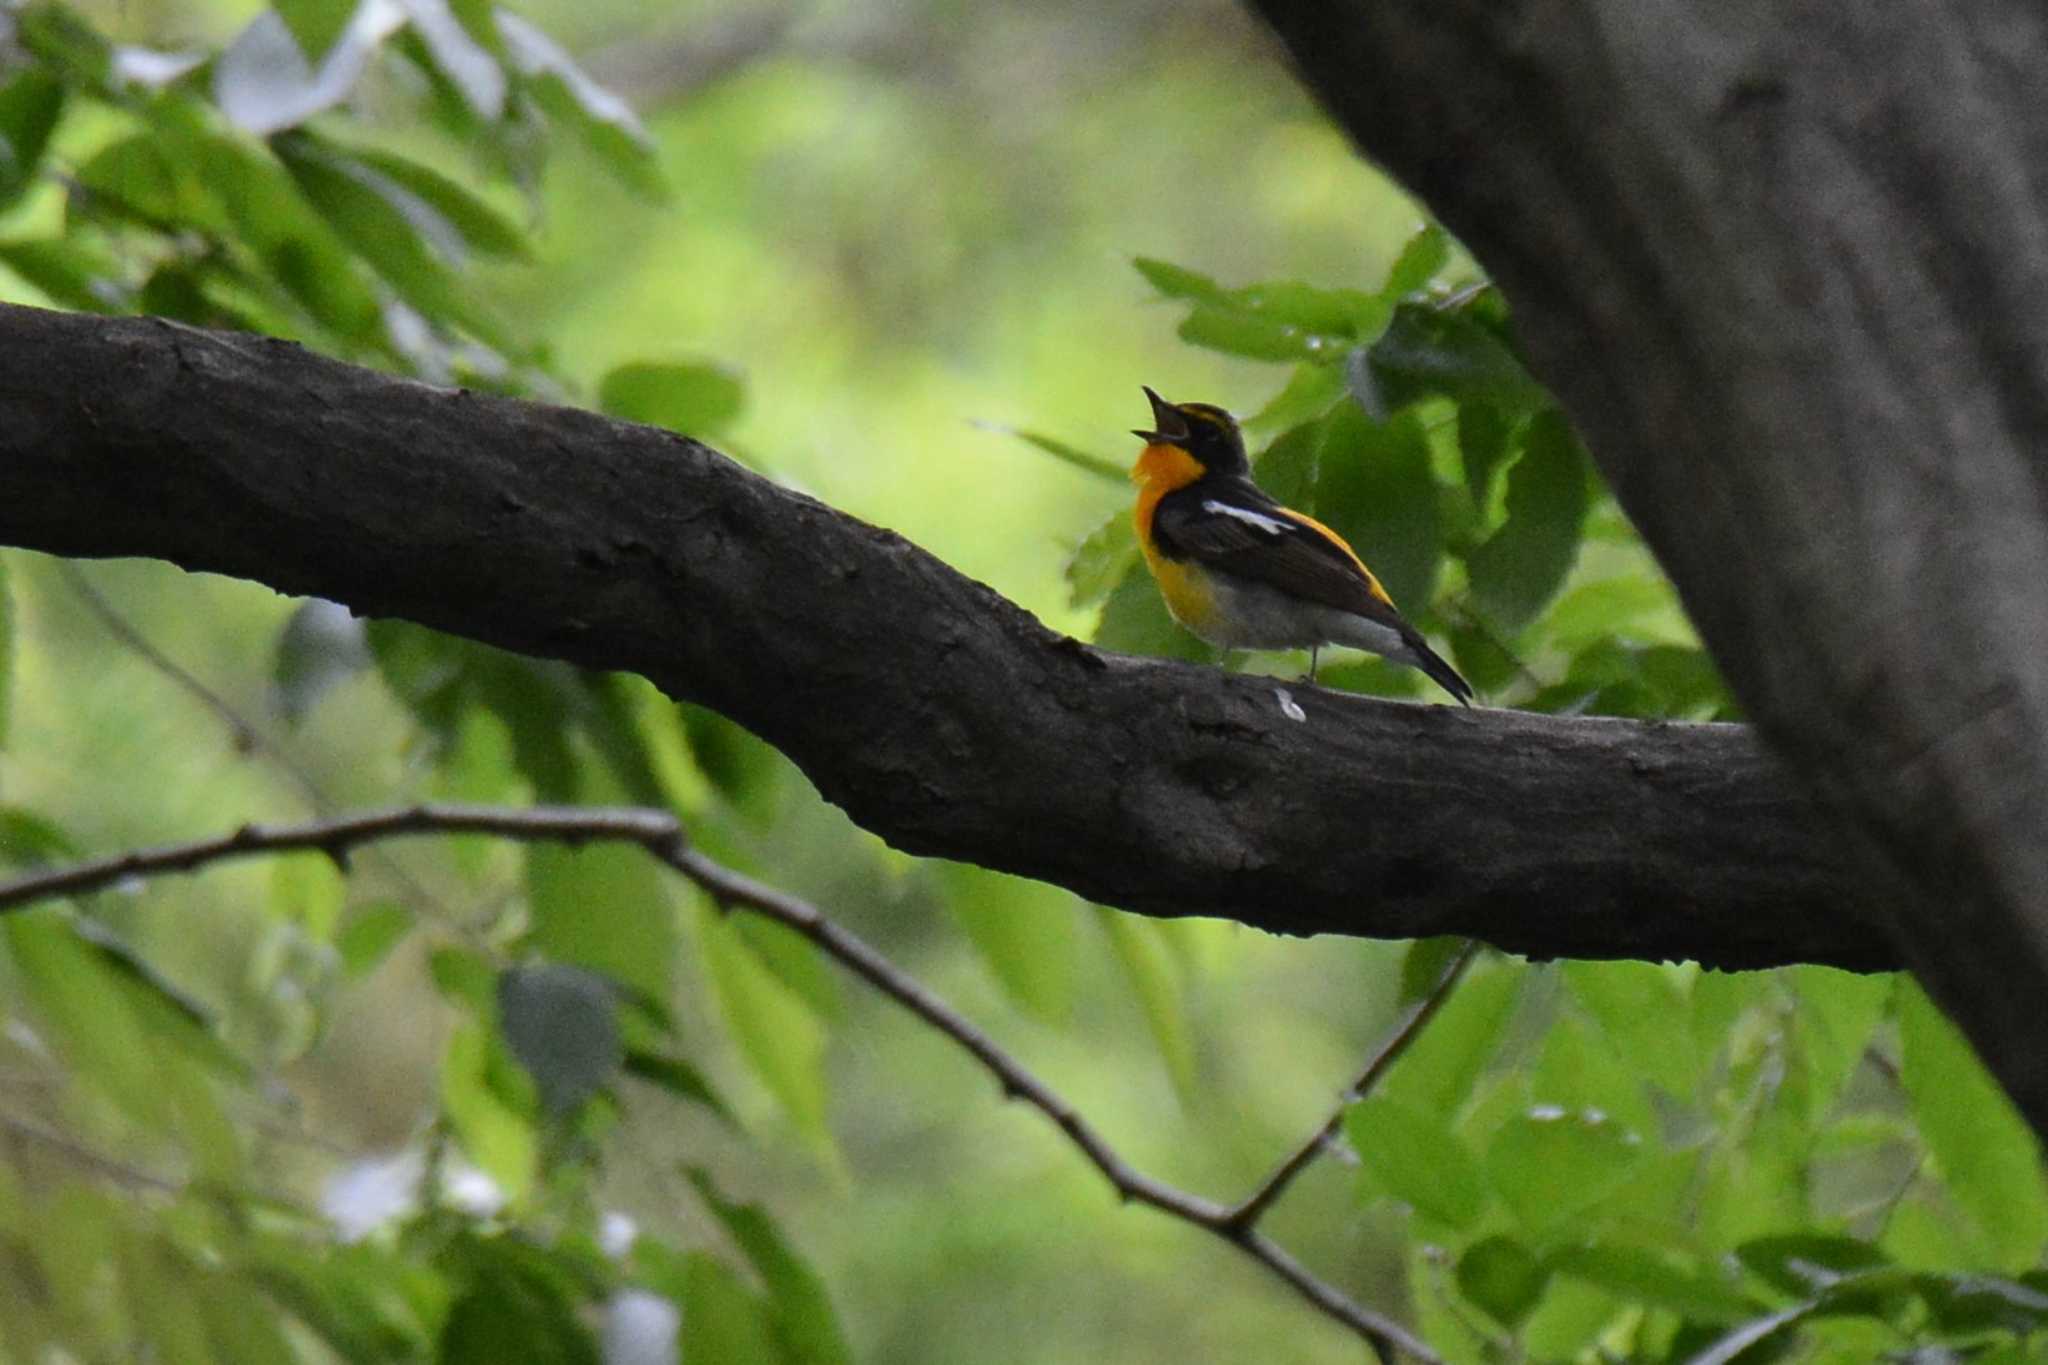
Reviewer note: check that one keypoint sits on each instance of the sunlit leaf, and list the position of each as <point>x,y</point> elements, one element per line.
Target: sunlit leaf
<point>1310,392</point>
<point>774,1028</point>
<point>1422,257</point>
<point>1525,562</point>
<point>1157,981</point>
<point>1987,1156</point>
<point>1412,1155</point>
<point>722,1318</point>
<point>70,273</point>
<point>1634,1004</point>
<point>1175,281</point>
<point>1440,1068</point>
<point>700,400</point>
<point>308,890</point>
<point>1024,931</point>
<point>495,1129</point>
<point>1233,331</point>
<point>1549,1165</point>
<point>800,1311</point>
<point>370,935</point>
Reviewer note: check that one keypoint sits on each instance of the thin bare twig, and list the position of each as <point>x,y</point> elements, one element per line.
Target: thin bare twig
<point>1254,1205</point>
<point>664,838</point>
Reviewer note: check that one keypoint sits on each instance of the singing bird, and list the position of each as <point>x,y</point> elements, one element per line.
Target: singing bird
<point>1244,572</point>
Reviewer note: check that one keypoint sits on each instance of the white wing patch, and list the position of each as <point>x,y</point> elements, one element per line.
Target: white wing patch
<point>1272,526</point>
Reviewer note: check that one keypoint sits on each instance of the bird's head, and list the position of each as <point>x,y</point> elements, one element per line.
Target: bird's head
<point>1198,438</point>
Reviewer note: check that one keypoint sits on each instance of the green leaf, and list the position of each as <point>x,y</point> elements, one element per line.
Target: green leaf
<point>1312,391</point>
<point>1024,931</point>
<point>1634,1004</point>
<point>562,1023</point>
<point>1288,467</point>
<point>1438,1072</point>
<point>800,1311</point>
<point>1987,1156</point>
<point>482,227</point>
<point>1135,621</point>
<point>1423,965</point>
<point>403,237</point>
<point>69,273</point>
<point>1412,1155</point>
<point>1176,281</point>
<point>1422,257</point>
<point>1503,1277</point>
<point>315,24</point>
<point>30,105</point>
<point>6,668</point>
<point>570,97</point>
<point>1102,559</point>
<point>677,1077</point>
<point>1838,1011</point>
<point>1156,979</point>
<point>1550,1165</point>
<point>1608,607</point>
<point>1105,469</point>
<point>28,839</point>
<point>308,890</point>
<point>494,1127</point>
<point>1804,1263</point>
<point>700,400</point>
<point>1428,350</point>
<point>1525,562</point>
<point>1487,437</point>
<point>775,1029</point>
<point>65,42</point>
<point>1221,327</point>
<point>514,1307</point>
<point>370,935</point>
<point>723,1320</point>
<point>1657,1279</point>
<point>1375,488</point>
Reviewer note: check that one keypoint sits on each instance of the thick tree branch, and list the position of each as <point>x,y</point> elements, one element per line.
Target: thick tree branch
<point>1787,262</point>
<point>663,838</point>
<point>935,712</point>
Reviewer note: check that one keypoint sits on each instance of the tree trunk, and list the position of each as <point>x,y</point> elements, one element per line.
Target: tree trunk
<point>1787,265</point>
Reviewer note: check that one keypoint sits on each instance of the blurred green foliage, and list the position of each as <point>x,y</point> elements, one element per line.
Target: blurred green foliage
<point>479,1103</point>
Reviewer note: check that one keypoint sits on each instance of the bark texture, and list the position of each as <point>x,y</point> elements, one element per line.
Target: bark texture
<point>936,713</point>
<point>1786,261</point>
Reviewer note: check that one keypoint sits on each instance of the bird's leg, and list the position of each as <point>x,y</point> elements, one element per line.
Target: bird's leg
<point>1313,651</point>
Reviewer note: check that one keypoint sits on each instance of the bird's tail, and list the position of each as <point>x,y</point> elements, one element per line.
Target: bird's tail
<point>1440,672</point>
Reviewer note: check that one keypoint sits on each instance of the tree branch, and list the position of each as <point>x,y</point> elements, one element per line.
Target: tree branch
<point>664,839</point>
<point>1785,263</point>
<point>939,715</point>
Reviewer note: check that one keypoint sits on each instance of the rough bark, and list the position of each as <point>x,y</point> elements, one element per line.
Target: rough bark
<point>1787,264</point>
<point>938,714</point>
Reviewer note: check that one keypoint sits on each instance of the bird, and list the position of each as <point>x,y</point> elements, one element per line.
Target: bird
<point>1244,572</point>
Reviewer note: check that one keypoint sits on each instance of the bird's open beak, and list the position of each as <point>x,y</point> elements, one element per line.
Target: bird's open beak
<point>1172,427</point>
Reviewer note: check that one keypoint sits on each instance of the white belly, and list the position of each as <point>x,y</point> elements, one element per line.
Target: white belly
<point>1254,616</point>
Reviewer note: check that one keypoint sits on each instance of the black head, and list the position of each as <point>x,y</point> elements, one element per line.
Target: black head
<point>1204,431</point>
